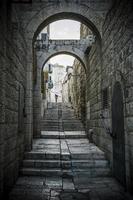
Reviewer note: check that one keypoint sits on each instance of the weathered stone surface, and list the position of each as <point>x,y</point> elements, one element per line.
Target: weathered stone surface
<point>54,179</point>
<point>13,75</point>
<point>66,154</point>
<point>109,60</point>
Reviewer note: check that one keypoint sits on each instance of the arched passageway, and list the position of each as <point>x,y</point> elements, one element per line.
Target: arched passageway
<point>40,20</point>
<point>44,58</point>
<point>41,98</point>
<point>107,61</point>
<point>45,49</point>
<point>94,66</point>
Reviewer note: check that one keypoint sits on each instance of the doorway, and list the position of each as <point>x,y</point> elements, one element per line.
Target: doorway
<point>119,170</point>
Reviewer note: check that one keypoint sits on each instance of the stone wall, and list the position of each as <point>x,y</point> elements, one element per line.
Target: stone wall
<point>108,62</point>
<point>77,90</point>
<point>93,99</point>
<point>34,18</point>
<point>37,102</point>
<point>116,64</point>
<point>12,81</point>
<point>77,82</point>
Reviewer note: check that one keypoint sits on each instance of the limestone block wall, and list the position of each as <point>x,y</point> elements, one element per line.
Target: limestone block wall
<point>77,90</point>
<point>118,66</point>
<point>115,64</point>
<point>37,99</point>
<point>35,16</point>
<point>12,93</point>
<point>93,91</point>
<point>111,61</point>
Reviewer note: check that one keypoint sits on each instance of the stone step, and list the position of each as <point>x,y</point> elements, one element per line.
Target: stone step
<point>70,123</point>
<point>68,117</point>
<point>51,116</point>
<point>64,153</point>
<point>62,135</point>
<point>57,128</point>
<point>41,156</point>
<point>41,164</point>
<point>101,172</point>
<point>51,122</point>
<point>73,128</point>
<point>54,121</point>
<point>50,126</point>
<point>80,164</point>
<point>41,172</point>
<point>65,173</point>
<point>65,156</point>
<point>44,128</point>
<point>74,164</point>
<point>85,156</point>
<point>73,124</point>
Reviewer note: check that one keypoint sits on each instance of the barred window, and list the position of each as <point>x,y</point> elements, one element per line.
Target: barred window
<point>105,98</point>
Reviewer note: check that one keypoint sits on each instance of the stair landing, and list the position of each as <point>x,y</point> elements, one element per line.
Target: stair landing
<point>64,165</point>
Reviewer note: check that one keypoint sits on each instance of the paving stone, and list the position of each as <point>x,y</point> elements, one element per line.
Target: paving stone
<point>73,195</point>
<point>68,184</point>
<point>54,182</point>
<point>54,193</point>
<point>65,166</point>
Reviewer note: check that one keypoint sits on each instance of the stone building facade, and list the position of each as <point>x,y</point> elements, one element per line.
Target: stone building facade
<point>76,89</point>
<point>115,66</point>
<point>13,68</point>
<point>77,81</point>
<point>109,75</point>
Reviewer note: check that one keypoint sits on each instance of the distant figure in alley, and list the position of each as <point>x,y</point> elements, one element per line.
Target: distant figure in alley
<point>56,98</point>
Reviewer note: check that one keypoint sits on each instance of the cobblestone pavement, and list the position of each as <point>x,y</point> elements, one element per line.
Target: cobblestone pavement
<point>58,188</point>
<point>63,165</point>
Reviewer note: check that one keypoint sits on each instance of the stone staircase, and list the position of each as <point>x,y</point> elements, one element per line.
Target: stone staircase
<point>68,121</point>
<point>63,149</point>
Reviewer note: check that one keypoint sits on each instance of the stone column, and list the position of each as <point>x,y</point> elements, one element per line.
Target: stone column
<point>2,127</point>
<point>37,105</point>
<point>3,60</point>
<point>29,100</point>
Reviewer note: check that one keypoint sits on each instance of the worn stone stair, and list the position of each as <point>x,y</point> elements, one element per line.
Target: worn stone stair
<point>63,149</point>
<point>50,125</point>
<point>55,162</point>
<point>69,122</point>
<point>63,135</point>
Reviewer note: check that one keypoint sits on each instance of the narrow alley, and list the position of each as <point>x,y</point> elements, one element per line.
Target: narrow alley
<point>66,99</point>
<point>63,165</point>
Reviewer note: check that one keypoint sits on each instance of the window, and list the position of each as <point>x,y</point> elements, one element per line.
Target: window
<point>105,98</point>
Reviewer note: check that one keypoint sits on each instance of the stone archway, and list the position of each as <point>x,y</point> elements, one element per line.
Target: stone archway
<point>42,16</point>
<point>43,58</point>
<point>38,16</point>
<point>37,87</point>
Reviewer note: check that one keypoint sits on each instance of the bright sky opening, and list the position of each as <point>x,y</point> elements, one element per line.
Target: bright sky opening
<point>65,29</point>
<point>63,59</point>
